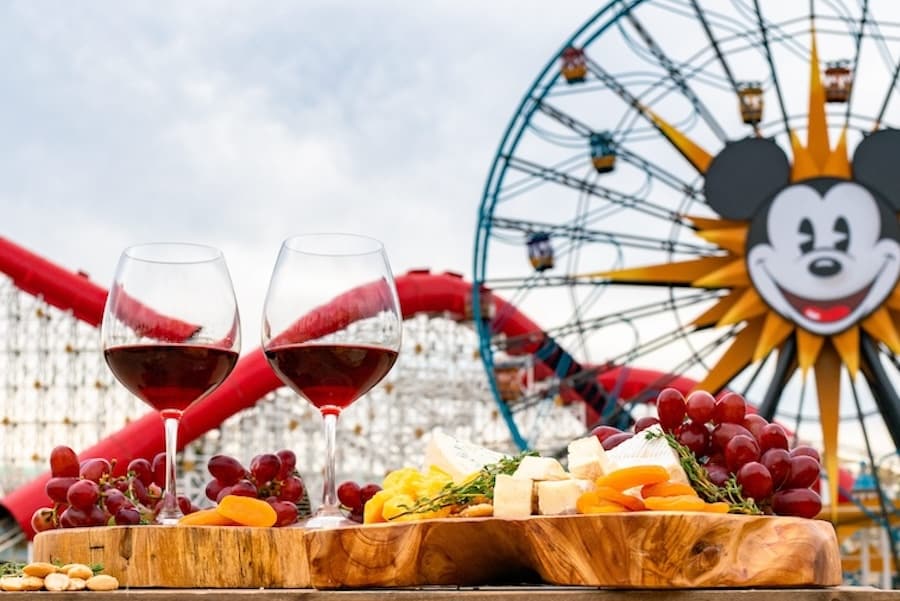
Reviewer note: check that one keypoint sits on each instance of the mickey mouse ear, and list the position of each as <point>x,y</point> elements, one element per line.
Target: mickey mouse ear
<point>875,164</point>
<point>744,176</point>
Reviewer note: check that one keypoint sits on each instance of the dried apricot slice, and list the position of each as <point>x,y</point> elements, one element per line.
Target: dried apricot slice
<point>636,475</point>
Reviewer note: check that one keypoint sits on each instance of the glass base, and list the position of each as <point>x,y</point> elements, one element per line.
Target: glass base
<point>167,520</point>
<point>328,517</point>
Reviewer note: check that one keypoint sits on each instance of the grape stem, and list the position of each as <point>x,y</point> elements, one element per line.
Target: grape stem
<point>708,490</point>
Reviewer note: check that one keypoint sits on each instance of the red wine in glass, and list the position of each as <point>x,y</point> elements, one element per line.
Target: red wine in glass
<point>331,376</point>
<point>170,377</point>
<point>331,331</point>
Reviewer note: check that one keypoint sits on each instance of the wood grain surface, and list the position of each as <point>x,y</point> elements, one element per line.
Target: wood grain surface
<point>184,556</point>
<point>635,550</point>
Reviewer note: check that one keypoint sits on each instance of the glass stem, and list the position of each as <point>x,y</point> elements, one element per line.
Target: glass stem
<point>329,494</point>
<point>170,513</point>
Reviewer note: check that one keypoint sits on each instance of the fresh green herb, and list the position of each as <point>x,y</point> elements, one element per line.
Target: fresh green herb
<point>478,489</point>
<point>11,568</point>
<point>706,488</point>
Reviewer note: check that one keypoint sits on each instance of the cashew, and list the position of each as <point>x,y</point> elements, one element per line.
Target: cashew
<point>102,582</point>
<point>39,569</point>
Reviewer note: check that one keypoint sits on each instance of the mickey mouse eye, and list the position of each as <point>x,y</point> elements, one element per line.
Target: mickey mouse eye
<point>842,228</point>
<point>806,230</point>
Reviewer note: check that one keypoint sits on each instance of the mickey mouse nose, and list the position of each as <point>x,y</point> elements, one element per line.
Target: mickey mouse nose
<point>824,267</point>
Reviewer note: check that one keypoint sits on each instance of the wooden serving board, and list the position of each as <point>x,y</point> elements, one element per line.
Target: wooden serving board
<point>184,556</point>
<point>634,550</point>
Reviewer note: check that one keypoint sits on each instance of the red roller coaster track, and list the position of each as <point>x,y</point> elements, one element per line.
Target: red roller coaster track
<point>419,292</point>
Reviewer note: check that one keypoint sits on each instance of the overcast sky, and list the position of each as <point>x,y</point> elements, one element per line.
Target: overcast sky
<point>238,124</point>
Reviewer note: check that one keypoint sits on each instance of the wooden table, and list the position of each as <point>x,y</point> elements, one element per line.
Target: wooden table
<point>541,593</point>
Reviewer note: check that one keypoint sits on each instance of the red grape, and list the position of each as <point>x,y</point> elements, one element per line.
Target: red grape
<point>139,492</point>
<point>730,409</point>
<point>694,436</point>
<point>367,492</point>
<point>645,422</point>
<point>244,488</point>
<point>348,495</point>
<point>127,516</point>
<point>291,489</point>
<point>43,519</point>
<point>184,504</point>
<point>604,432</point>
<point>800,502</point>
<point>288,463</point>
<point>699,406</point>
<point>224,492</point>
<point>755,480</point>
<point>671,408</point>
<point>806,450</point>
<point>83,494</point>
<point>64,462</point>
<point>95,469</point>
<point>96,516</point>
<point>57,488</point>
<point>114,500</point>
<point>718,473</point>
<point>158,465</point>
<point>772,436</point>
<point>142,470</point>
<point>73,517</point>
<point>804,471</point>
<point>227,470</point>
<point>722,433</point>
<point>213,488</point>
<point>286,512</point>
<point>741,450</point>
<point>615,440</point>
<point>778,462</point>
<point>755,423</point>
<point>264,468</point>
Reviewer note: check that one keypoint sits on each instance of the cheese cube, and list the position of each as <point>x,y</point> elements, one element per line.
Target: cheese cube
<point>540,468</point>
<point>640,450</point>
<point>512,497</point>
<point>458,458</point>
<point>560,496</point>
<point>587,459</point>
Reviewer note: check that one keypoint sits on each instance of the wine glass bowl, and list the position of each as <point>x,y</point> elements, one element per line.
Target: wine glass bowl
<point>171,334</point>
<point>331,331</point>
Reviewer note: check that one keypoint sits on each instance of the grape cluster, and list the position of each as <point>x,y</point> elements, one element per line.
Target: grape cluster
<point>731,443</point>
<point>87,493</point>
<point>272,477</point>
<point>353,498</point>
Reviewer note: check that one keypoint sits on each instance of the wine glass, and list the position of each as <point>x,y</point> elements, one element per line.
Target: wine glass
<point>171,335</point>
<point>331,331</point>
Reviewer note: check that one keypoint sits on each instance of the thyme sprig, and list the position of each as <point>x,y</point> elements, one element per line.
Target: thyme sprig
<point>699,479</point>
<point>477,489</point>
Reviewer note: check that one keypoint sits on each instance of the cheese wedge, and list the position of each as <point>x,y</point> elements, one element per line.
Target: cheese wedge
<point>587,459</point>
<point>512,497</point>
<point>458,458</point>
<point>639,450</point>
<point>540,468</point>
<point>558,497</point>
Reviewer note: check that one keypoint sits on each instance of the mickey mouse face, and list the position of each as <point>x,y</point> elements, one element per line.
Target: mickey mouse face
<point>819,258</point>
<point>823,253</point>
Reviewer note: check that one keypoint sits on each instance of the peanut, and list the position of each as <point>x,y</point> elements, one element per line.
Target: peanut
<point>56,582</point>
<point>102,582</point>
<point>76,584</point>
<point>32,583</point>
<point>39,569</point>
<point>11,583</point>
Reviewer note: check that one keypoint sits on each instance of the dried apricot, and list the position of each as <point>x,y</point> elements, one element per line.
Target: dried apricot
<point>637,475</point>
<point>667,489</point>
<point>606,493</point>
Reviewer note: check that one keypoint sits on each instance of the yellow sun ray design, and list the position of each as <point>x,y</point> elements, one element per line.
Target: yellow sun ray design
<point>765,330</point>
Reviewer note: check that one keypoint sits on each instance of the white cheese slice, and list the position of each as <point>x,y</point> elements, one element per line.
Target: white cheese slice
<point>639,450</point>
<point>556,497</point>
<point>587,459</point>
<point>540,468</point>
<point>512,497</point>
<point>460,459</point>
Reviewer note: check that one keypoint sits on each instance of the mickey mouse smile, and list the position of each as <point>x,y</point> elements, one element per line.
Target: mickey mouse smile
<point>827,310</point>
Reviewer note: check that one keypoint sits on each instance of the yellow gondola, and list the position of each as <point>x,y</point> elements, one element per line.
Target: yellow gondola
<point>574,66</point>
<point>838,81</point>
<point>750,95</point>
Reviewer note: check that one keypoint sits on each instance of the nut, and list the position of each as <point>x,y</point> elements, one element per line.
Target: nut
<point>76,584</point>
<point>39,569</point>
<point>56,582</point>
<point>32,583</point>
<point>11,583</point>
<point>102,582</point>
<point>77,570</point>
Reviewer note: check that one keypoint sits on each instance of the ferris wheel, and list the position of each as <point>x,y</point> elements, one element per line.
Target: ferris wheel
<point>703,194</point>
